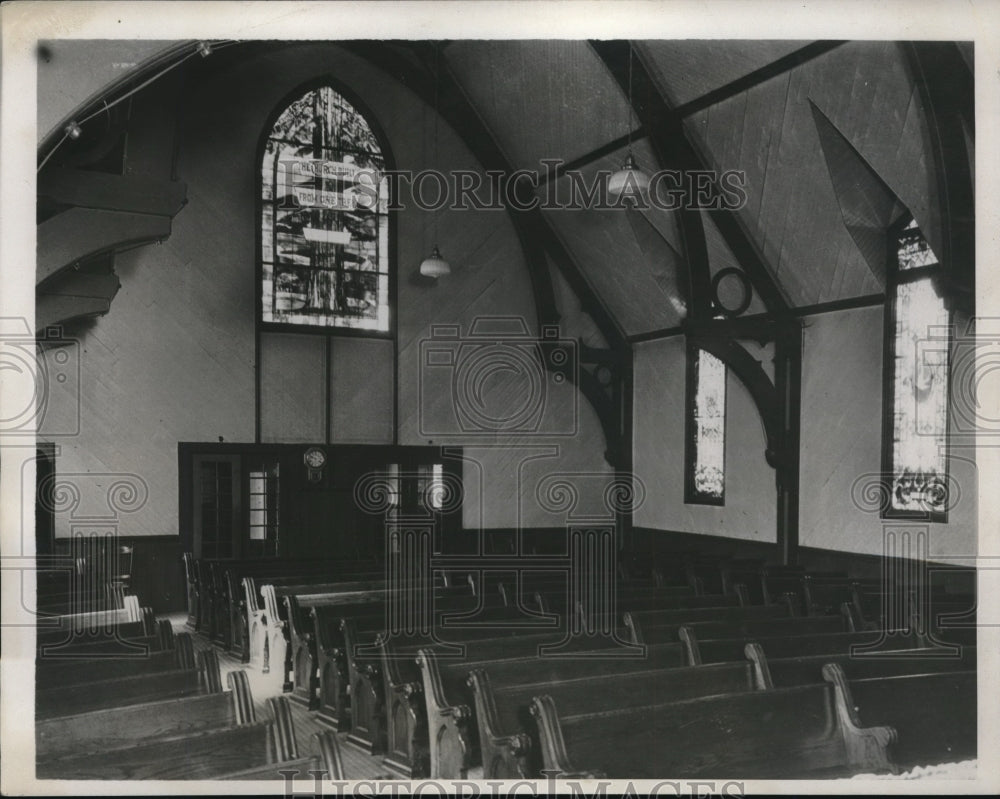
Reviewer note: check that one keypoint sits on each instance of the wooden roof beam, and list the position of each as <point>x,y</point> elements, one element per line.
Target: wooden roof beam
<point>674,150</point>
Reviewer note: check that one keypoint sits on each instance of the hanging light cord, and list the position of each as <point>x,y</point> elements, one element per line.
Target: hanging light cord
<point>437,100</point>
<point>108,106</point>
<point>628,124</point>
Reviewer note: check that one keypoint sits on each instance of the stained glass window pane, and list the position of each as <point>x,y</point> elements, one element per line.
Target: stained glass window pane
<point>914,251</point>
<point>920,401</point>
<point>324,218</point>
<point>709,427</point>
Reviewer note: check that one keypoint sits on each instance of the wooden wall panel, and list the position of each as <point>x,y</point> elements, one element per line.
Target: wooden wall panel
<point>292,388</point>
<point>362,386</point>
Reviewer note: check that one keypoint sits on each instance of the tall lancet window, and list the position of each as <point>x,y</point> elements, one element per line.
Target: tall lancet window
<point>325,247</point>
<point>705,447</point>
<point>915,422</point>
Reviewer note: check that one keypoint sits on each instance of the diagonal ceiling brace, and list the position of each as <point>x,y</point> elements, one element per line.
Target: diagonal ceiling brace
<point>674,150</point>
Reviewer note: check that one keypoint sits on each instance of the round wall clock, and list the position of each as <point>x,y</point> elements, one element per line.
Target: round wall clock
<point>314,459</point>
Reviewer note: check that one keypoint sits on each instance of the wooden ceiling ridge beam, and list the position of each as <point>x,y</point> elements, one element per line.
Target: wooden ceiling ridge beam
<point>676,151</point>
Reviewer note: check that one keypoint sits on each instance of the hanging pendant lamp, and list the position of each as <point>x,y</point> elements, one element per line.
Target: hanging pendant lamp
<point>434,266</point>
<point>630,180</point>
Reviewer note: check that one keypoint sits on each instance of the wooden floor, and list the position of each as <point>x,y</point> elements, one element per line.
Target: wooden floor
<point>357,764</point>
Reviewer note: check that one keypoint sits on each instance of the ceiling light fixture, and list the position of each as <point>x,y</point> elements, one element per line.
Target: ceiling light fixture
<point>630,180</point>
<point>434,266</point>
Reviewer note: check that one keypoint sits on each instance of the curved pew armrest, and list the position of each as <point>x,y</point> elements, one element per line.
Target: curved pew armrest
<point>553,745</point>
<point>327,748</point>
<point>690,641</point>
<point>447,722</point>
<point>866,746</point>
<point>184,651</point>
<point>433,688</point>
<point>496,743</point>
<point>285,745</point>
<point>243,706</point>
<point>761,671</point>
<point>633,627</point>
<point>211,672</point>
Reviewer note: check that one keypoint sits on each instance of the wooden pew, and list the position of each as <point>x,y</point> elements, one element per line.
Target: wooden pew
<point>218,581</point>
<point>116,727</point>
<point>876,606</point>
<point>257,599</point>
<point>402,691</point>
<point>808,669</point>
<point>65,672</point>
<point>131,611</point>
<point>305,663</point>
<point>787,733</point>
<point>663,626</point>
<point>933,716</point>
<point>326,760</point>
<point>361,642</point>
<point>825,594</point>
<point>603,618</point>
<point>186,679</point>
<point>722,650</point>
<point>234,610</point>
<point>448,696</point>
<point>129,639</point>
<point>646,597</point>
<point>332,666</point>
<point>251,750</point>
<point>504,691</point>
<point>765,628</point>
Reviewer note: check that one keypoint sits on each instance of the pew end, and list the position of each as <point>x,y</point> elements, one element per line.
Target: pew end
<point>502,754</point>
<point>866,747</point>
<point>554,753</point>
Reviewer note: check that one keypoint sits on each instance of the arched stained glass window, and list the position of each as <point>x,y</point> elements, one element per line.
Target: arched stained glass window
<point>325,233</point>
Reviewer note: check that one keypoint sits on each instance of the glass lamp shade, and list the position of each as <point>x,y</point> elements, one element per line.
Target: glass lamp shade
<point>628,180</point>
<point>434,265</point>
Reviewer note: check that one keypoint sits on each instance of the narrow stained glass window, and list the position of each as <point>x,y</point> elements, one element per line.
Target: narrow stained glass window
<point>918,383</point>
<point>324,218</point>
<point>706,426</point>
